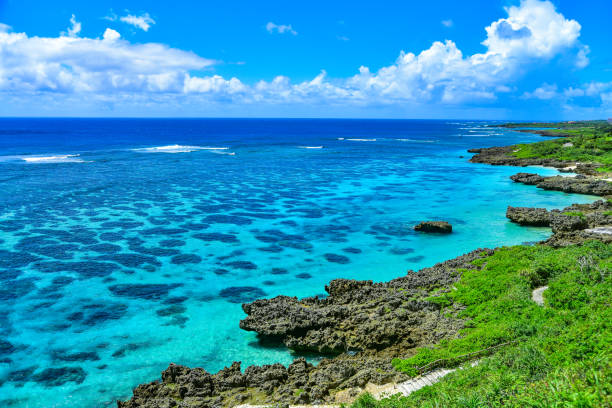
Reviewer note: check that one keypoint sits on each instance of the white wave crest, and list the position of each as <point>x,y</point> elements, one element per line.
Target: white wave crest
<point>60,158</point>
<point>416,141</point>
<point>311,147</point>
<point>362,140</point>
<point>176,148</point>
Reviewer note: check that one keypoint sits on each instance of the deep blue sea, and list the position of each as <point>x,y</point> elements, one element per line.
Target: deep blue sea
<point>129,244</point>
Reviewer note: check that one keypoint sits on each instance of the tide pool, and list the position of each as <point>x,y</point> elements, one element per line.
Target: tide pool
<point>129,244</point>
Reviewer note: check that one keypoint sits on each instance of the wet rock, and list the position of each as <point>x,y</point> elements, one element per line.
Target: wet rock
<point>527,178</point>
<point>538,217</point>
<point>441,227</point>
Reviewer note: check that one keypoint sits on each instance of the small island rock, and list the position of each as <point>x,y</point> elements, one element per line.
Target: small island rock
<point>442,227</point>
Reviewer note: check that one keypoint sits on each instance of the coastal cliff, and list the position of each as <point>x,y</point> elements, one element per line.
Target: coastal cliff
<point>376,333</point>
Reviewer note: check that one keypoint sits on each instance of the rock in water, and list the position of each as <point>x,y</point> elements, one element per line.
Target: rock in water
<point>537,217</point>
<point>442,227</point>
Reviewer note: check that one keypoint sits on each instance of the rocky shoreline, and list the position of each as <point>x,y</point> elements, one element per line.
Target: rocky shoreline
<point>367,323</point>
<point>502,156</point>
<point>364,325</point>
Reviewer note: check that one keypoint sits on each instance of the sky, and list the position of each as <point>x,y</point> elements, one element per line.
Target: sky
<point>438,59</point>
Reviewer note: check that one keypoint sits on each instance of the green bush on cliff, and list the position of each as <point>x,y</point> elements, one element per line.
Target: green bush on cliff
<point>590,143</point>
<point>561,352</point>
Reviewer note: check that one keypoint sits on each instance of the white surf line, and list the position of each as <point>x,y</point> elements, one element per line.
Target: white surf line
<point>537,295</point>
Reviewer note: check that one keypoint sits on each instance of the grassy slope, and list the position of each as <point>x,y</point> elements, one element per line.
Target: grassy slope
<point>592,142</point>
<point>562,358</point>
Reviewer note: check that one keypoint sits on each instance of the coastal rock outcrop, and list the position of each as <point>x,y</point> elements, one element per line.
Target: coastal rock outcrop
<point>441,227</point>
<point>531,179</point>
<point>502,156</point>
<point>579,184</point>
<point>537,217</point>
<point>574,224</point>
<point>360,315</point>
<point>368,323</point>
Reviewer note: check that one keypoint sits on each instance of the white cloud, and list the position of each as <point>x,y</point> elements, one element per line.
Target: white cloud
<point>280,28</point>
<point>111,34</point>
<point>144,21</point>
<point>581,58</point>
<point>545,92</point>
<point>447,23</point>
<point>76,64</point>
<point>533,31</point>
<point>74,29</point>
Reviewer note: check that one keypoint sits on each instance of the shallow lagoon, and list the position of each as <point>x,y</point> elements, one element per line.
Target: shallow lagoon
<point>128,244</point>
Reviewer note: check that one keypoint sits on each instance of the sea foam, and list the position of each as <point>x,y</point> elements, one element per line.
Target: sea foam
<point>60,158</point>
<point>176,148</point>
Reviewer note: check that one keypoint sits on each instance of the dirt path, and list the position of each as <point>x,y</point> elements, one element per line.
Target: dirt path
<point>537,295</point>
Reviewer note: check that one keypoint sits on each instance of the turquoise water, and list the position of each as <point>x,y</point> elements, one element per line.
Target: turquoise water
<point>129,244</point>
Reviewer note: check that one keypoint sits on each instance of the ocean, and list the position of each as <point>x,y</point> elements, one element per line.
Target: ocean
<point>127,244</point>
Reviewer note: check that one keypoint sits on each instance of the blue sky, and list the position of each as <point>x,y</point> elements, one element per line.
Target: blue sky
<point>491,59</point>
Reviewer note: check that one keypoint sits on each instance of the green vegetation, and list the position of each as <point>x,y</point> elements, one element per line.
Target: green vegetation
<point>587,142</point>
<point>561,357</point>
<point>574,214</point>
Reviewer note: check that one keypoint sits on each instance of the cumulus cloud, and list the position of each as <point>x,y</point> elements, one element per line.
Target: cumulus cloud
<point>76,64</point>
<point>447,23</point>
<point>280,28</point>
<point>532,31</point>
<point>144,21</point>
<point>110,34</point>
